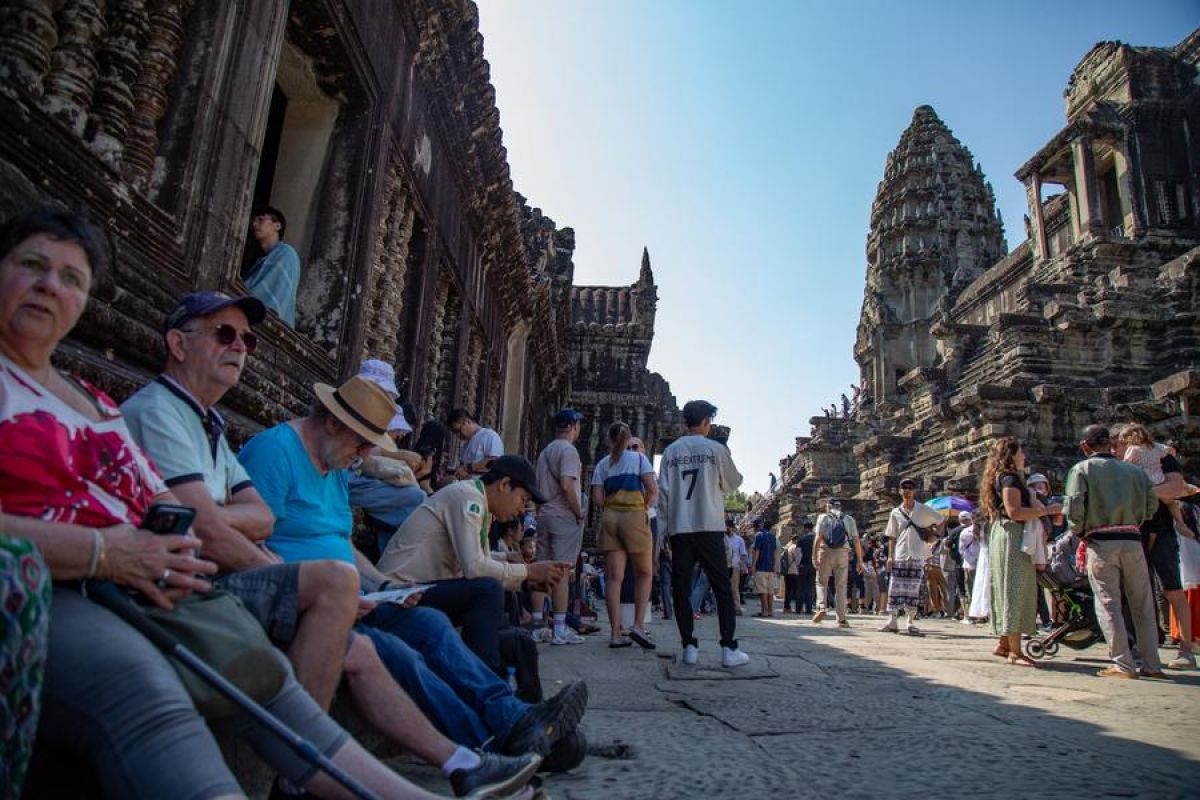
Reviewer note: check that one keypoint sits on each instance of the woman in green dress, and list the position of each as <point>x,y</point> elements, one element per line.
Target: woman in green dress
<point>1008,503</point>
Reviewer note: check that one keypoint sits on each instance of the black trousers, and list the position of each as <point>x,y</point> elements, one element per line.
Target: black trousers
<point>806,599</point>
<point>791,592</point>
<point>706,548</point>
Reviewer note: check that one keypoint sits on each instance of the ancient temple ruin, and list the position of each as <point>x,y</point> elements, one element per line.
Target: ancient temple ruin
<point>612,328</point>
<point>1093,318</point>
<point>373,127</point>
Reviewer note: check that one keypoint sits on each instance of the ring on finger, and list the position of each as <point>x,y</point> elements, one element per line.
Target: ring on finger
<point>162,582</point>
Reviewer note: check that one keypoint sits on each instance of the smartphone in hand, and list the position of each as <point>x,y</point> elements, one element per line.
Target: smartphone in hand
<point>165,518</point>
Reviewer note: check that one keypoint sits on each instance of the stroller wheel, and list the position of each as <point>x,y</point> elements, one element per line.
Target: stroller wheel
<point>1050,649</point>
<point>1035,649</point>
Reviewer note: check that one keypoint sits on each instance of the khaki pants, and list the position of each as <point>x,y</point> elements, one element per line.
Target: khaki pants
<point>836,563</point>
<point>1112,568</point>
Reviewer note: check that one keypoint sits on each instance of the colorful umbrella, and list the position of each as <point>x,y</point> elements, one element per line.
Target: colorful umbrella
<point>950,506</point>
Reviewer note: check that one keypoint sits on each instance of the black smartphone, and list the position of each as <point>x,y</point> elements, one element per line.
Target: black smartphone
<point>165,518</point>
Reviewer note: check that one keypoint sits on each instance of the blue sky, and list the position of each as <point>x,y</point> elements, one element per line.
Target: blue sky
<point>743,144</point>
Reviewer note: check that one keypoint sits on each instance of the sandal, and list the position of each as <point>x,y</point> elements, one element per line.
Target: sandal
<point>1019,660</point>
<point>1001,651</point>
<point>620,641</point>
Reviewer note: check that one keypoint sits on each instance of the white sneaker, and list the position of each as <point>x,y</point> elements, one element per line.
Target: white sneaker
<point>1185,660</point>
<point>568,636</point>
<point>691,654</point>
<point>542,635</point>
<point>733,657</point>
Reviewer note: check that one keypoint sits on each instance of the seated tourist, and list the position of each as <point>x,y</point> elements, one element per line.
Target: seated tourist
<point>299,468</point>
<point>441,543</point>
<point>306,608</point>
<point>74,482</point>
<point>386,485</point>
<point>481,444</point>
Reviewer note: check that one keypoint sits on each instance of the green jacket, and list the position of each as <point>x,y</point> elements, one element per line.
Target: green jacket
<point>1103,490</point>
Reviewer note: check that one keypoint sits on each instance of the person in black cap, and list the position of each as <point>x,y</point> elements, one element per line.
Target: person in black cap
<point>559,520</point>
<point>446,539</point>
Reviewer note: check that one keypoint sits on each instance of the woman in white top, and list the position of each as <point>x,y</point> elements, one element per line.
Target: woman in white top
<point>623,485</point>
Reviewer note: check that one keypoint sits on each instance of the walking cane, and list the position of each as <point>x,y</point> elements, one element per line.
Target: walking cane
<point>108,595</point>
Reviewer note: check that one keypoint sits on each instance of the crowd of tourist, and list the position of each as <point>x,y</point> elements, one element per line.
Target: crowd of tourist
<point>429,623</point>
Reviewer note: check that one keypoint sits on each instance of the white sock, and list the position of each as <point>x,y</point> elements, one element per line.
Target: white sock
<point>560,623</point>
<point>537,617</point>
<point>461,758</point>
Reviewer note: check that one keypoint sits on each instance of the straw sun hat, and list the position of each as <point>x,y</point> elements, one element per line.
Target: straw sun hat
<point>361,406</point>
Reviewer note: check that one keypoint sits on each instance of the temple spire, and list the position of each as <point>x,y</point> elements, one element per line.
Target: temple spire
<point>646,277</point>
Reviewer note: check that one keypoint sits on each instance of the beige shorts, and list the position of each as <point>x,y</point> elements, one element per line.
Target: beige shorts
<point>559,539</point>
<point>625,530</point>
<point>763,583</point>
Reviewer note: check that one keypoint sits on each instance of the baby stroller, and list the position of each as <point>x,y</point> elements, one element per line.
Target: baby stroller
<point>1080,629</point>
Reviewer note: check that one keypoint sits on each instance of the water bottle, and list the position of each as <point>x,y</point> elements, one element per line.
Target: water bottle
<point>512,679</point>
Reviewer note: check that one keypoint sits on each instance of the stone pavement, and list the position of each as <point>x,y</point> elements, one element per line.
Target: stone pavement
<point>826,712</point>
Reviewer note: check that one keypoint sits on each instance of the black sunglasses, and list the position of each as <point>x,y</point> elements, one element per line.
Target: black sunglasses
<point>226,334</point>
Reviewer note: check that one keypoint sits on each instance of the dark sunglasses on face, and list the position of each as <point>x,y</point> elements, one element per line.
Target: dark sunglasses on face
<point>226,334</point>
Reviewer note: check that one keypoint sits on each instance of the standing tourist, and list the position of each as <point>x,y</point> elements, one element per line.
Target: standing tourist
<point>831,556</point>
<point>764,558</point>
<point>696,474</point>
<point>623,486</point>
<point>560,522</point>
<point>1160,533</point>
<point>791,577</point>
<point>968,548</point>
<point>807,571</point>
<point>1106,502</point>
<point>740,559</point>
<point>907,554</point>
<point>275,276</point>
<point>1008,503</point>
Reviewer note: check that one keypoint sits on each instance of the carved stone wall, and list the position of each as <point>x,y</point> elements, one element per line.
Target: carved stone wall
<point>157,117</point>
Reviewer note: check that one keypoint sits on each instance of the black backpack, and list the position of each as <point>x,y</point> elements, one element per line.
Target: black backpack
<point>784,561</point>
<point>835,535</point>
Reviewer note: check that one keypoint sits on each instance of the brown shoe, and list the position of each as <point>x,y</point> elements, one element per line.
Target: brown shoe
<point>1117,672</point>
<point>1162,676</point>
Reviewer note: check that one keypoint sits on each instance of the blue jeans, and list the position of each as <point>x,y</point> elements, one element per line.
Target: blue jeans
<point>699,590</point>
<point>477,605</point>
<point>465,699</point>
<point>384,502</point>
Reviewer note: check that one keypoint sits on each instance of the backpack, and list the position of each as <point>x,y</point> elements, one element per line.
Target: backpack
<point>784,561</point>
<point>835,535</point>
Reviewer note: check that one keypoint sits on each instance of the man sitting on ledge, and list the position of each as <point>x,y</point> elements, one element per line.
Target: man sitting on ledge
<point>445,542</point>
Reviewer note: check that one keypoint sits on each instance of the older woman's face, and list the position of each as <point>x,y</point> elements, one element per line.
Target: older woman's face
<point>44,286</point>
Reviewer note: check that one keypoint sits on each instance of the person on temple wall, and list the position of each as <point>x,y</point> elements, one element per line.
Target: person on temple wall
<point>275,276</point>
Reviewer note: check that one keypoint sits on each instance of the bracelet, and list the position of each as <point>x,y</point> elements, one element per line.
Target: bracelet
<point>97,548</point>
<point>101,567</point>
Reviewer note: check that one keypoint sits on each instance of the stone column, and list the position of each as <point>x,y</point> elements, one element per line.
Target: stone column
<point>73,68</point>
<point>1087,194</point>
<point>1037,221</point>
<point>153,85</point>
<point>120,64</point>
<point>27,35</point>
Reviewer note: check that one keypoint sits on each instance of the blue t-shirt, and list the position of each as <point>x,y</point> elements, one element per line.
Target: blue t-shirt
<point>312,511</point>
<point>765,543</point>
<point>274,279</point>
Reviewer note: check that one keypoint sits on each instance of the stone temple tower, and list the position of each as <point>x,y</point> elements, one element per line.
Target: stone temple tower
<point>934,229</point>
